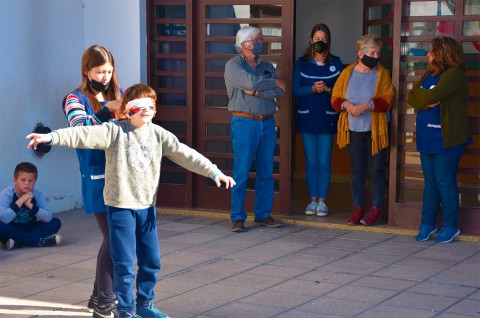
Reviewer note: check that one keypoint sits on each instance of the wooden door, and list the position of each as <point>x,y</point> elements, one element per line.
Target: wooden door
<point>189,43</point>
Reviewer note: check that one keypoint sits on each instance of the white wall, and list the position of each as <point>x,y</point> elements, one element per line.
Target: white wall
<point>343,17</point>
<point>41,44</point>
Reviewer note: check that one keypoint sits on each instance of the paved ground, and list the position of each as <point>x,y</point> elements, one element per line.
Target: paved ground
<point>294,271</point>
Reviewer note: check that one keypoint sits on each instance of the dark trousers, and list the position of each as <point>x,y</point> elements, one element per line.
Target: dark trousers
<point>103,285</point>
<point>361,159</point>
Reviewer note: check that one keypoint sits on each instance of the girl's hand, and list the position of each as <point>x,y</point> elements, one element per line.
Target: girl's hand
<point>433,105</point>
<point>38,139</point>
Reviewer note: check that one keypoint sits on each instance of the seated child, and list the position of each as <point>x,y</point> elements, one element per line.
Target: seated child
<point>25,218</point>
<point>134,149</point>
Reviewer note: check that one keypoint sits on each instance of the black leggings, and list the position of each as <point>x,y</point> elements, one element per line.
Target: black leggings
<point>103,286</point>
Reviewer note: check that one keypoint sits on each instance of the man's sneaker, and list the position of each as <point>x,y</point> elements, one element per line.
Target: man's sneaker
<point>424,232</point>
<point>447,234</point>
<point>268,222</point>
<point>151,312</point>
<point>311,208</point>
<point>107,312</point>
<point>10,245</point>
<point>51,240</point>
<point>322,209</point>
<point>238,226</point>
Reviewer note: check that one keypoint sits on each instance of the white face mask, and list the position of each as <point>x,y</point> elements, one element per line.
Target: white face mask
<point>320,63</point>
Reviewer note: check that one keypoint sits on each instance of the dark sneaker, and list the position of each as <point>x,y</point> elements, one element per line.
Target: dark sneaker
<point>51,240</point>
<point>151,312</point>
<point>424,232</point>
<point>238,226</point>
<point>10,245</point>
<point>107,312</point>
<point>268,222</point>
<point>92,303</point>
<point>446,234</point>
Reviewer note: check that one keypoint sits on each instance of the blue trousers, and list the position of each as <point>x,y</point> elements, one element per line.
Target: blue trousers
<point>29,234</point>
<point>360,152</point>
<point>252,139</point>
<point>318,160</point>
<point>133,237</point>
<point>440,174</point>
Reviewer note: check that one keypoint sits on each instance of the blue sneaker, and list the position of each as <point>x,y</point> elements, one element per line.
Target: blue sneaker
<point>424,232</point>
<point>447,234</point>
<point>151,312</point>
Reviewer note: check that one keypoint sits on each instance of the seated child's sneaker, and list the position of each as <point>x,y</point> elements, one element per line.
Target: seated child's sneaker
<point>10,245</point>
<point>151,312</point>
<point>51,240</point>
<point>447,234</point>
<point>424,232</point>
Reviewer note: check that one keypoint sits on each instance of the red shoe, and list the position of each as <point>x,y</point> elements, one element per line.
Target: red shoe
<point>372,217</point>
<point>358,212</point>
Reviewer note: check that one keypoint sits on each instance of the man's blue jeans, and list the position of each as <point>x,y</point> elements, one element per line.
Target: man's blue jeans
<point>440,174</point>
<point>360,151</point>
<point>133,236</point>
<point>318,159</point>
<point>253,139</point>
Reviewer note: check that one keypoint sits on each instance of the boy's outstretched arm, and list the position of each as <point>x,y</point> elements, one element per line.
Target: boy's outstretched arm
<point>229,182</point>
<point>38,139</point>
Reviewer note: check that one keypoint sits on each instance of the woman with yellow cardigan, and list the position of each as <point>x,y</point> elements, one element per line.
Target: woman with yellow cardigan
<point>363,94</point>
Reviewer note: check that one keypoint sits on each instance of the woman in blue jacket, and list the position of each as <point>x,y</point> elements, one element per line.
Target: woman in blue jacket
<point>313,78</point>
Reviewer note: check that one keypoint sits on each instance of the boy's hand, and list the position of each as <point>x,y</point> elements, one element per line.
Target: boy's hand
<point>38,139</point>
<point>229,182</point>
<point>25,199</point>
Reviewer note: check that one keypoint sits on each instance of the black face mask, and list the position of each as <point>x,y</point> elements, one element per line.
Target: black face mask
<point>319,47</point>
<point>369,61</point>
<point>99,87</point>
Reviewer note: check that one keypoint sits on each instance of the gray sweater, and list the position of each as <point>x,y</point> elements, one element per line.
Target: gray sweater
<point>133,158</point>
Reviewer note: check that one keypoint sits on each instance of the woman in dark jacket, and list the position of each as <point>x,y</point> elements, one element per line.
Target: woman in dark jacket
<point>313,78</point>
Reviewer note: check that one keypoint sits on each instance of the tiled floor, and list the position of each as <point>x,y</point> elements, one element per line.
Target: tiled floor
<point>293,271</point>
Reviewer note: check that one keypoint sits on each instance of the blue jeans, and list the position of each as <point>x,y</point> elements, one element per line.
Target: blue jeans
<point>29,234</point>
<point>253,139</point>
<point>318,159</point>
<point>360,151</point>
<point>133,236</point>
<point>440,174</point>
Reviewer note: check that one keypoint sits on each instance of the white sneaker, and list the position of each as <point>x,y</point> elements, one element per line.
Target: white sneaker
<point>311,208</point>
<point>10,245</point>
<point>322,209</point>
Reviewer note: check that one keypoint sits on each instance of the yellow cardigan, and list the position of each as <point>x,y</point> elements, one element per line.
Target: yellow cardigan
<point>383,90</point>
